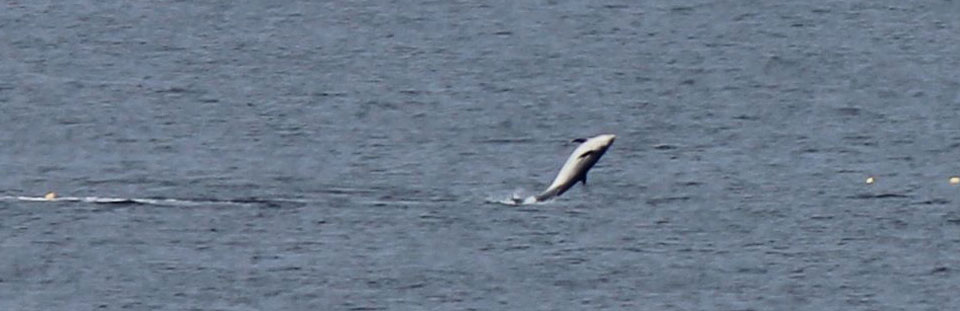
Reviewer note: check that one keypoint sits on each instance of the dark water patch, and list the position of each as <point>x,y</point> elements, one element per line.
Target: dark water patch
<point>952,217</point>
<point>935,201</point>
<point>869,196</point>
<point>689,183</point>
<point>667,200</point>
<point>665,147</point>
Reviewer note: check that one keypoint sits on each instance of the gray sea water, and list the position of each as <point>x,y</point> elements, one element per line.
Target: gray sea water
<point>341,155</point>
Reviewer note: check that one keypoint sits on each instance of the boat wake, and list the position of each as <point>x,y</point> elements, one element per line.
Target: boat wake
<point>50,197</point>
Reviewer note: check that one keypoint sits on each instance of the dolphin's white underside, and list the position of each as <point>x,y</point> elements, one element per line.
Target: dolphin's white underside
<point>575,169</point>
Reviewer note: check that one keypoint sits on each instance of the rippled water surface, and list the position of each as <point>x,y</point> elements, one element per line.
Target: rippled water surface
<point>340,155</point>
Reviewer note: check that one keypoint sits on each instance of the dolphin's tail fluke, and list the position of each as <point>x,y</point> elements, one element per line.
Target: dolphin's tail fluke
<point>555,191</point>
<point>546,195</point>
<point>543,196</point>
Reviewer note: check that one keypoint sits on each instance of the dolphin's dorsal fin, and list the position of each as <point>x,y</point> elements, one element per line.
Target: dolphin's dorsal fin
<point>579,140</point>
<point>586,154</point>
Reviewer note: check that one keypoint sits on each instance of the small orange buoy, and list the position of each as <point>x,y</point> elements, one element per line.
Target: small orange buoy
<point>50,196</point>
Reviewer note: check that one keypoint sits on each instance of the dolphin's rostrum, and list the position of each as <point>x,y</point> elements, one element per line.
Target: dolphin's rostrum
<point>575,169</point>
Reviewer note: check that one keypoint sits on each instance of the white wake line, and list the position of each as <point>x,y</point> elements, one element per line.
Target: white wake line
<point>166,202</point>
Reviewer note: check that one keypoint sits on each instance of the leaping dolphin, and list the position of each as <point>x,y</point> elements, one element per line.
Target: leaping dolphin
<point>575,169</point>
